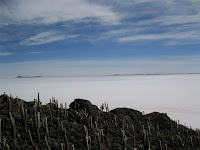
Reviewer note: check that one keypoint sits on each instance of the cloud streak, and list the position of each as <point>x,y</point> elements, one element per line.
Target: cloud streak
<point>5,53</point>
<point>171,36</point>
<point>46,37</point>
<point>103,29</point>
<point>34,52</point>
<point>50,11</point>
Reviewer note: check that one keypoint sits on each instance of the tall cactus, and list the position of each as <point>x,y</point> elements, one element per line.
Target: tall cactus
<point>46,127</point>
<point>31,139</point>
<point>38,97</point>
<point>66,140</point>
<point>47,143</point>
<point>13,125</point>
<point>9,103</point>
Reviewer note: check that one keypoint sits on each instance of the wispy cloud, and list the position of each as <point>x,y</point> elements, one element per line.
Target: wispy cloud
<point>171,36</point>
<point>107,24</point>
<point>175,19</point>
<point>46,37</point>
<point>5,53</point>
<point>34,52</point>
<point>169,20</point>
<point>51,11</point>
<point>135,19</point>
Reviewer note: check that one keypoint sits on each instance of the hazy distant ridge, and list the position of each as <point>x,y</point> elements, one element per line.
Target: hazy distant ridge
<point>114,75</point>
<point>28,76</point>
<point>146,74</point>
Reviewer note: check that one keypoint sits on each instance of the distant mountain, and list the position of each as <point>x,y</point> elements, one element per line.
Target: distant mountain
<point>146,74</point>
<point>29,77</point>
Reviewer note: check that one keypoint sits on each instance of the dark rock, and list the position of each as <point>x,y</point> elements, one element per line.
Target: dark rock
<point>81,104</point>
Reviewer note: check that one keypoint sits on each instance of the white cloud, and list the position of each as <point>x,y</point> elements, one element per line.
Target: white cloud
<point>135,18</point>
<point>51,11</point>
<point>34,52</point>
<point>172,20</point>
<point>46,37</point>
<point>184,35</point>
<point>5,53</point>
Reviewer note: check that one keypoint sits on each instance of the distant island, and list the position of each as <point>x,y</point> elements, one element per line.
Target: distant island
<point>113,75</point>
<point>146,74</point>
<point>29,77</point>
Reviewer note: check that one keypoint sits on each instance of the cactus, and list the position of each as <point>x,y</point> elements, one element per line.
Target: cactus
<point>144,138</point>
<point>66,140</point>
<point>39,123</point>
<point>102,135</point>
<point>73,147</point>
<point>99,139</point>
<point>4,143</point>
<point>134,142</point>
<point>31,139</point>
<point>107,108</point>
<point>25,117</point>
<point>116,123</point>
<point>58,121</point>
<point>47,143</point>
<point>65,111</point>
<point>191,142</point>
<point>62,127</point>
<point>160,144</point>
<point>173,142</point>
<point>90,118</point>
<point>149,144</point>
<point>141,147</point>
<point>7,147</point>
<point>51,118</point>
<point>20,142</point>
<point>38,97</point>
<point>46,127</point>
<point>62,146</point>
<point>166,147</point>
<point>88,141</point>
<point>88,138</point>
<point>13,125</point>
<point>38,133</point>
<point>9,103</point>
<point>61,107</point>
<point>133,129</point>
<point>95,122</point>
<point>124,138</point>
<point>124,141</point>
<point>35,113</point>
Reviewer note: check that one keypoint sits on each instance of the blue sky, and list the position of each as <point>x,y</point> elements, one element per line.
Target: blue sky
<point>74,37</point>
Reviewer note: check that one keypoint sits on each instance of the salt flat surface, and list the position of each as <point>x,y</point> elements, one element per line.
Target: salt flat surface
<point>176,95</point>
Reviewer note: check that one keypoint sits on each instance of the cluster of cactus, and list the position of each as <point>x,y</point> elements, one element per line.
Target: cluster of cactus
<point>100,129</point>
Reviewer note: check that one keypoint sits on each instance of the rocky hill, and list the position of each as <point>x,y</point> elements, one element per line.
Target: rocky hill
<point>83,126</point>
